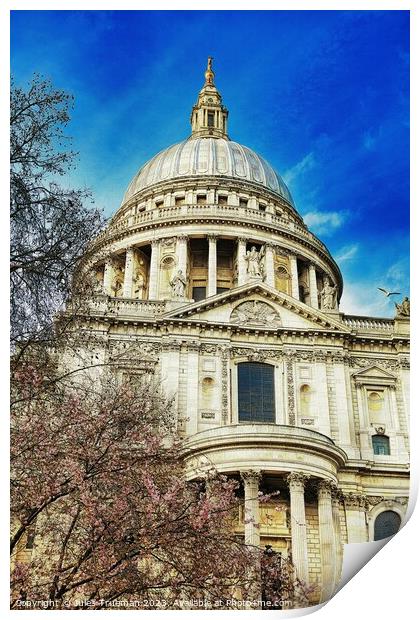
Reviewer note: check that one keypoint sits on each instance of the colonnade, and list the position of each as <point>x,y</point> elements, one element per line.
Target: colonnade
<point>329,525</point>
<point>243,277</point>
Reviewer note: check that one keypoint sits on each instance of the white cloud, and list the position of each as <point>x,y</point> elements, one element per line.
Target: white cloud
<point>347,252</point>
<point>365,300</point>
<point>325,222</point>
<point>306,163</point>
<point>397,276</point>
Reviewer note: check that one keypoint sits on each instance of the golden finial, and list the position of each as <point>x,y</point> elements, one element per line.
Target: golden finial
<point>209,75</point>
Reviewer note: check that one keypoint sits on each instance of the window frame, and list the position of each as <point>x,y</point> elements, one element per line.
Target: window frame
<point>242,363</point>
<point>387,443</point>
<point>381,514</point>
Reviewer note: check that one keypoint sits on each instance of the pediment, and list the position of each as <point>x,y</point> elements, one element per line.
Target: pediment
<point>256,306</point>
<point>373,373</point>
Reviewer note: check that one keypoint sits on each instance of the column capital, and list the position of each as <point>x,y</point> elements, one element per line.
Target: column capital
<point>356,501</point>
<point>182,237</point>
<point>326,488</point>
<point>242,240</point>
<point>155,243</point>
<point>251,476</point>
<point>212,237</point>
<point>297,480</point>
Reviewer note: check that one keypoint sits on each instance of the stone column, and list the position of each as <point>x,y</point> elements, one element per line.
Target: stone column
<point>251,481</point>
<point>336,500</point>
<point>294,276</point>
<point>296,482</point>
<point>269,265</point>
<point>181,252</point>
<point>154,270</point>
<point>128,273</point>
<point>313,289</point>
<point>241,251</point>
<point>326,539</point>
<point>355,505</point>
<point>212,266</point>
<point>108,272</point>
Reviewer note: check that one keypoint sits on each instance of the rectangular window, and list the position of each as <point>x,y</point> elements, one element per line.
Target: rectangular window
<point>179,200</point>
<point>199,259</point>
<point>256,401</point>
<point>222,200</point>
<point>380,444</point>
<point>199,293</point>
<point>201,199</point>
<point>210,119</point>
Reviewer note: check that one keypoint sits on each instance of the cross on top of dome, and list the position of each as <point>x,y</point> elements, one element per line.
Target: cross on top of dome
<point>209,115</point>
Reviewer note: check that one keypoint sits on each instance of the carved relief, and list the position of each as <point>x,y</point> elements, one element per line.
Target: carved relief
<point>256,313</point>
<point>355,501</point>
<point>168,242</point>
<point>257,355</point>
<point>291,411</point>
<point>362,362</point>
<point>225,384</point>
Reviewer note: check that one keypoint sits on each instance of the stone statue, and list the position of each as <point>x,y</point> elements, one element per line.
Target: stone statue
<point>255,268</point>
<point>117,286</point>
<point>403,309</point>
<point>178,285</point>
<point>139,286</point>
<point>328,296</point>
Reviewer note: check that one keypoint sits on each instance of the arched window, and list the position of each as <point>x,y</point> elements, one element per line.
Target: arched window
<point>380,444</point>
<point>282,272</point>
<point>256,392</point>
<point>375,401</point>
<point>387,523</point>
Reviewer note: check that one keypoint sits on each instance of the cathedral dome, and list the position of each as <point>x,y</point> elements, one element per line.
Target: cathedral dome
<point>206,156</point>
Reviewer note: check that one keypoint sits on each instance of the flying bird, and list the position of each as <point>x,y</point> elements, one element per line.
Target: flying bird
<point>387,293</point>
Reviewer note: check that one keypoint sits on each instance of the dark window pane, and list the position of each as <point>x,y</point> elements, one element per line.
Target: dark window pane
<point>386,524</point>
<point>380,444</point>
<point>222,289</point>
<point>199,293</point>
<point>256,392</point>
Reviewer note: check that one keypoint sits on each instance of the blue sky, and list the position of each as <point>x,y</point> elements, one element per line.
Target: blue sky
<point>322,95</point>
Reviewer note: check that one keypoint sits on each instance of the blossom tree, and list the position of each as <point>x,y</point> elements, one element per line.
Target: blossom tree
<point>51,224</point>
<point>99,494</point>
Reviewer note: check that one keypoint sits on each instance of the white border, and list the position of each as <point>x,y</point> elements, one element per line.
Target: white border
<point>387,586</point>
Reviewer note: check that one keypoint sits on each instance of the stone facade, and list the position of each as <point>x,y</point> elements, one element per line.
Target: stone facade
<point>207,266</point>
